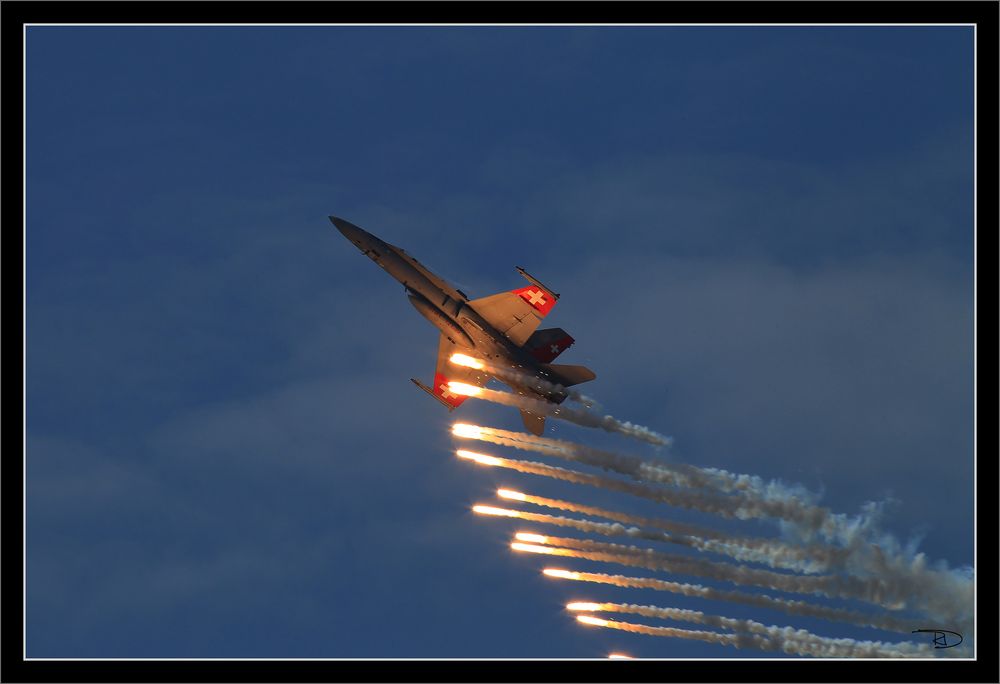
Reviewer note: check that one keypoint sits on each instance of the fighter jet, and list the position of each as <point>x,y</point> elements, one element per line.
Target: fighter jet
<point>501,330</point>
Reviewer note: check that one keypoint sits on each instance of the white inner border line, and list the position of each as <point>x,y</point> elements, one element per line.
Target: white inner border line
<point>24,275</point>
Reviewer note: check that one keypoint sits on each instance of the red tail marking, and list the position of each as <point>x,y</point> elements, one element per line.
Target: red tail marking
<point>538,298</point>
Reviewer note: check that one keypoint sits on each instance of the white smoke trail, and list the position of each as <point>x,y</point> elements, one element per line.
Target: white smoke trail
<point>874,590</point>
<point>727,572</point>
<point>641,469</point>
<point>607,529</point>
<point>776,501</point>
<point>895,577</point>
<point>637,468</point>
<point>592,526</point>
<point>905,576</point>
<point>888,576</point>
<point>810,558</point>
<point>787,639</point>
<point>625,465</point>
<point>683,567</point>
<point>789,606</point>
<point>727,506</point>
<point>581,417</point>
<point>833,586</point>
<point>722,506</point>
<point>775,554</point>
<point>672,632</point>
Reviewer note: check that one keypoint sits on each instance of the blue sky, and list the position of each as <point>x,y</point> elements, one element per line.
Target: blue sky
<point>763,238</point>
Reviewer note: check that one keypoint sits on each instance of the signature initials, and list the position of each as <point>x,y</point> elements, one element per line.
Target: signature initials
<point>941,637</point>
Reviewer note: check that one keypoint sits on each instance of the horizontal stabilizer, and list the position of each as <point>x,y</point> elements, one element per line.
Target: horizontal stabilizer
<point>534,424</point>
<point>567,375</point>
<point>545,345</point>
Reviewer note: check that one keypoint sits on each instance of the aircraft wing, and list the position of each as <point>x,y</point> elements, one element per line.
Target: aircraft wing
<point>446,372</point>
<point>517,313</point>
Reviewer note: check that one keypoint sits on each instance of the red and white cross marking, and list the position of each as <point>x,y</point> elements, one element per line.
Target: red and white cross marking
<point>442,390</point>
<point>537,297</point>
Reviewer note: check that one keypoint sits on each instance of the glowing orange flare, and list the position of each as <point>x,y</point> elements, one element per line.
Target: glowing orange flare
<point>467,361</point>
<point>482,459</point>
<point>511,494</point>
<point>466,430</point>
<point>532,548</point>
<point>533,538</point>
<point>620,656</point>
<point>491,510</point>
<point>590,607</point>
<point>562,574</point>
<point>591,620</point>
<point>464,389</point>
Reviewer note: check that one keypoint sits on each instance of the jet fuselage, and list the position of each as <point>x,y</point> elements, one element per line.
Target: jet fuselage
<point>447,308</point>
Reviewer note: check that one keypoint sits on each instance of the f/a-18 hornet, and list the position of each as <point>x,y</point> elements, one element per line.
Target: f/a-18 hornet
<point>501,330</point>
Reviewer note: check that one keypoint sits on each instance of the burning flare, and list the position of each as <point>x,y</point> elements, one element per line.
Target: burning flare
<point>491,510</point>
<point>466,430</point>
<point>531,538</point>
<point>591,620</point>
<point>464,389</point>
<point>563,574</point>
<point>511,494</point>
<point>587,607</point>
<point>467,361</point>
<point>534,548</point>
<point>482,459</point>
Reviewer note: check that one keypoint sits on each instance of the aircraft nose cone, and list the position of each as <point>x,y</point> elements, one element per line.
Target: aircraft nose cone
<point>349,230</point>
